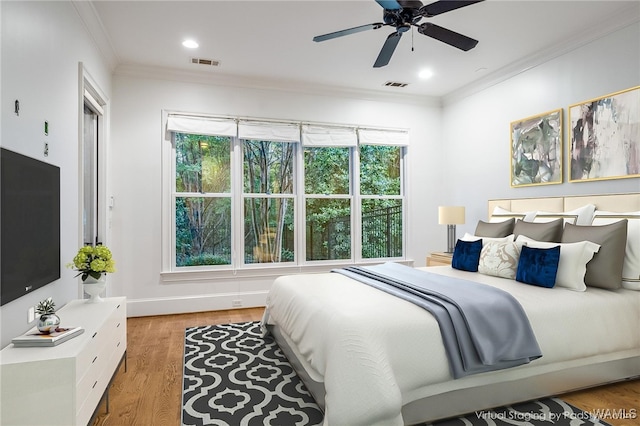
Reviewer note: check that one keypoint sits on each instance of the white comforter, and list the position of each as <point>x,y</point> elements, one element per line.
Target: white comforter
<point>375,352</point>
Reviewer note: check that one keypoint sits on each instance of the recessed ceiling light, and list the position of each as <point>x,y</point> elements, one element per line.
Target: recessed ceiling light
<point>425,74</point>
<point>191,44</point>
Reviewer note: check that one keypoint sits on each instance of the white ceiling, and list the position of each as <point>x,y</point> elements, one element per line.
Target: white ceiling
<point>270,42</point>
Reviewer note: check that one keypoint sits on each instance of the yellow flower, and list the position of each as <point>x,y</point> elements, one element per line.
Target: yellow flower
<point>93,261</point>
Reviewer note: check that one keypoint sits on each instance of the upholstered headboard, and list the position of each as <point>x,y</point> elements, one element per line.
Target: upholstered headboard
<point>580,210</point>
<point>609,202</point>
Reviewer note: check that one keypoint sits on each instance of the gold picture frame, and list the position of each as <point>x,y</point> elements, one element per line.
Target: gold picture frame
<point>605,137</point>
<point>536,150</point>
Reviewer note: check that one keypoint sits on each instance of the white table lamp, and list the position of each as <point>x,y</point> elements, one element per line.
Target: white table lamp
<point>451,216</point>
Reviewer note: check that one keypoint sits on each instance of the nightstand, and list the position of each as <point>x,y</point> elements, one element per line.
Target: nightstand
<point>439,259</point>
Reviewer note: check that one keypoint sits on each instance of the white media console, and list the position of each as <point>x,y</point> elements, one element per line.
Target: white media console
<point>64,384</point>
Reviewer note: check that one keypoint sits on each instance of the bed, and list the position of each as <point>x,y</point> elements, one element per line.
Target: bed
<point>370,358</point>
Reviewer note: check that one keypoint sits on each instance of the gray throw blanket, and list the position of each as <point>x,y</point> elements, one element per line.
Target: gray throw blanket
<point>483,328</point>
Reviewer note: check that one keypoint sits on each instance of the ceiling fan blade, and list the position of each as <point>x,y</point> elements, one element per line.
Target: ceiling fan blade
<point>452,38</point>
<point>348,31</point>
<point>389,4</point>
<point>387,49</point>
<point>444,6</point>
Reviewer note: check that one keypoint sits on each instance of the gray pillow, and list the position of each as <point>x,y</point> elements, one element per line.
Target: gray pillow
<point>494,229</point>
<point>540,231</point>
<point>604,270</point>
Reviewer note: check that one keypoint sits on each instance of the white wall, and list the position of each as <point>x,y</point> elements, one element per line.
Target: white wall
<point>138,101</point>
<point>476,128</point>
<point>42,44</point>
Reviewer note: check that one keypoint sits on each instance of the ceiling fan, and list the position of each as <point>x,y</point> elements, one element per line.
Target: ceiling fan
<point>402,15</point>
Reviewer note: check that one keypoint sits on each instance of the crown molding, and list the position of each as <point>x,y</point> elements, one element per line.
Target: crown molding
<point>93,24</point>
<point>625,18</point>
<point>229,80</point>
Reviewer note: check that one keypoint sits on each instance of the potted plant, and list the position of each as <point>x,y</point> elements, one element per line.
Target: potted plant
<point>92,262</point>
<point>48,321</point>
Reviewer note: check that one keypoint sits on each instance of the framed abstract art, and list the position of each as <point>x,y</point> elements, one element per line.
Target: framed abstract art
<point>605,137</point>
<point>536,149</point>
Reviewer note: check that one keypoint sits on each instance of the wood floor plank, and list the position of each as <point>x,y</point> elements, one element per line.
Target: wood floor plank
<point>150,391</point>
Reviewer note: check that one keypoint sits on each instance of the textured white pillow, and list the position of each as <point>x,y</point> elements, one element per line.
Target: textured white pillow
<point>631,266</point>
<point>580,216</point>
<point>499,259</point>
<point>500,215</point>
<point>573,260</point>
<point>470,237</point>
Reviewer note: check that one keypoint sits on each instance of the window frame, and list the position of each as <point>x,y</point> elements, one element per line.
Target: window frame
<point>217,195</point>
<point>351,188</point>
<point>94,197</point>
<point>238,268</point>
<point>243,196</point>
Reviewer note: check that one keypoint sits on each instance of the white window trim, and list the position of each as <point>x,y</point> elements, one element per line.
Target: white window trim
<point>170,275</point>
<point>91,94</point>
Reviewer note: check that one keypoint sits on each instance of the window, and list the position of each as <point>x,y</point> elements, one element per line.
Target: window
<point>247,194</point>
<point>269,228</point>
<point>380,187</point>
<point>327,203</point>
<point>202,200</point>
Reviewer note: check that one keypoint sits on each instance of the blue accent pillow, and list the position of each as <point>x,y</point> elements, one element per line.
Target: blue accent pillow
<point>466,255</point>
<point>538,266</point>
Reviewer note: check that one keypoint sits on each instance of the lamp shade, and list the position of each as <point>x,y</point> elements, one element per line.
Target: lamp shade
<point>450,215</point>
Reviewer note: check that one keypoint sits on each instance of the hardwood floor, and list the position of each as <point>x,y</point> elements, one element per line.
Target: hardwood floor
<point>150,391</point>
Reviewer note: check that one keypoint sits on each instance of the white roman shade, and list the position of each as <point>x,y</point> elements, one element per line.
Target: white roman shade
<point>325,136</point>
<point>266,131</point>
<point>202,125</point>
<point>383,137</point>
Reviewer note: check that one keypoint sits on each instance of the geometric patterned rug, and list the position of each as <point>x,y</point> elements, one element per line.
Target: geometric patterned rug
<point>233,376</point>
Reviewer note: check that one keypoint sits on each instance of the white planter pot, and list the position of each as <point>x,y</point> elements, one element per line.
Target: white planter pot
<point>94,288</point>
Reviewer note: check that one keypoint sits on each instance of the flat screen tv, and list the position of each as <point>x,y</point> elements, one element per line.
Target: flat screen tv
<point>29,224</point>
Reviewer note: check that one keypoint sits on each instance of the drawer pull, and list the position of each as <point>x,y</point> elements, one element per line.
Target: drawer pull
<point>94,360</point>
<point>118,345</point>
<point>94,385</point>
<point>94,334</point>
<point>118,326</point>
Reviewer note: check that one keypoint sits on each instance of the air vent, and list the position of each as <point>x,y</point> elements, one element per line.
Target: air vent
<point>395,84</point>
<point>203,61</point>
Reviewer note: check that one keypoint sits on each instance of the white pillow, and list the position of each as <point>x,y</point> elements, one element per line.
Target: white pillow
<point>500,215</point>
<point>573,260</point>
<point>580,216</point>
<point>631,266</point>
<point>470,237</point>
<point>499,259</point>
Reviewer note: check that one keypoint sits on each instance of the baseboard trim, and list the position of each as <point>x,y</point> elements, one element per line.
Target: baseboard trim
<point>201,303</point>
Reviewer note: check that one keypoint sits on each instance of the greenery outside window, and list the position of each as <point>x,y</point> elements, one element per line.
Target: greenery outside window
<point>202,200</point>
<point>327,203</point>
<point>247,194</point>
<point>269,228</point>
<point>381,202</point>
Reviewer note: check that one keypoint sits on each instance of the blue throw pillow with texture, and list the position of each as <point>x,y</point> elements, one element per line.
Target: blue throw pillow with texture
<point>466,255</point>
<point>538,266</point>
